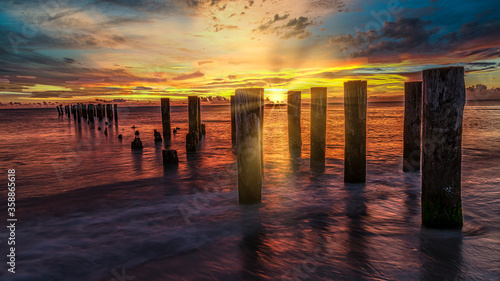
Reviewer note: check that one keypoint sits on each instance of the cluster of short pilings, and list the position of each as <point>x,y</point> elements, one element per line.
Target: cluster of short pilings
<point>87,112</point>
<point>433,107</point>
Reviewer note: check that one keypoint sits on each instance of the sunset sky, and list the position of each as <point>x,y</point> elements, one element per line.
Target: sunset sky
<point>141,50</point>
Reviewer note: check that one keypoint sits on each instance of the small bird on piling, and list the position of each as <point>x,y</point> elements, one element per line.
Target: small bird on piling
<point>133,127</point>
<point>106,123</point>
<point>120,137</point>
<point>177,128</point>
<point>99,128</point>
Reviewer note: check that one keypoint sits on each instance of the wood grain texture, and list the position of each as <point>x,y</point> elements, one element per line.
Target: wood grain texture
<point>442,116</point>
<point>355,102</point>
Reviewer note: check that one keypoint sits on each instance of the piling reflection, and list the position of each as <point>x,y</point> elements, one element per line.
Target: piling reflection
<point>357,244</point>
<point>137,161</point>
<point>441,254</point>
<point>255,250</point>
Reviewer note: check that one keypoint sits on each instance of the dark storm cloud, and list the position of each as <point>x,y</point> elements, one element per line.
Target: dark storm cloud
<point>327,4</point>
<point>415,37</point>
<point>294,28</point>
<point>402,35</point>
<point>277,17</point>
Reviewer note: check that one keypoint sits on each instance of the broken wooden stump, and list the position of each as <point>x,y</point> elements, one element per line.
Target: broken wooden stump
<point>137,143</point>
<point>191,142</point>
<point>170,158</point>
<point>157,136</point>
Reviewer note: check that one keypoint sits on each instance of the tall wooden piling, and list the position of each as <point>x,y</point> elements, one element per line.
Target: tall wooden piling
<point>78,113</point>
<point>91,112</point>
<point>193,115</point>
<point>355,103</point>
<point>84,111</point>
<point>412,126</point>
<point>294,128</point>
<point>58,110</point>
<point>198,101</point>
<point>248,116</point>
<point>318,127</point>
<point>99,112</point>
<point>165,118</point>
<point>109,111</point>
<point>233,123</point>
<point>442,114</point>
<point>115,107</point>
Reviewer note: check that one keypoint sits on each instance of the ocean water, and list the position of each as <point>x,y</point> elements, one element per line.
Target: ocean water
<point>89,208</point>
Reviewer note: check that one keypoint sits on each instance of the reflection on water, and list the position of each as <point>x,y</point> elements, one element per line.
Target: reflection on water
<point>99,204</point>
<point>441,255</point>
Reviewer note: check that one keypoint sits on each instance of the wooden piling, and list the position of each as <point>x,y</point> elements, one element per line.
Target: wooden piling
<point>115,107</point>
<point>193,114</point>
<point>412,126</point>
<point>294,128</point>
<point>109,113</point>
<point>170,158</point>
<point>91,112</point>
<point>58,110</point>
<point>84,111</point>
<point>442,116</point>
<point>99,112</point>
<point>198,101</point>
<point>78,113</point>
<point>248,116</point>
<point>165,118</point>
<point>233,123</point>
<point>318,127</point>
<point>355,103</point>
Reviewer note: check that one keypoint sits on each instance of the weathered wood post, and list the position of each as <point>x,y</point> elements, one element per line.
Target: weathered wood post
<point>84,111</point>
<point>109,113</point>
<point>294,128</point>
<point>79,113</point>
<point>193,135</point>
<point>442,114</point>
<point>318,127</point>
<point>73,111</point>
<point>115,107</point>
<point>165,118</point>
<point>170,158</point>
<point>91,112</point>
<point>99,112</point>
<point>198,102</point>
<point>412,126</point>
<point>355,102</point>
<point>233,123</point>
<point>248,105</point>
<point>58,110</point>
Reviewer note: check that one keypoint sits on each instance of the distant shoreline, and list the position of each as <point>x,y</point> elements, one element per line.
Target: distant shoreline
<point>227,104</point>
